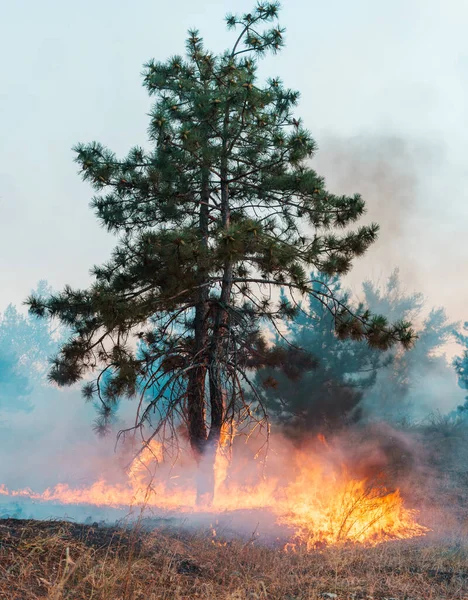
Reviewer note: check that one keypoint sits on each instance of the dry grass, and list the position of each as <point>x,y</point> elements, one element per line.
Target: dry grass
<point>58,560</point>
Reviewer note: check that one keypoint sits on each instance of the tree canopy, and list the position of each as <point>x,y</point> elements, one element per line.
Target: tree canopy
<point>222,209</point>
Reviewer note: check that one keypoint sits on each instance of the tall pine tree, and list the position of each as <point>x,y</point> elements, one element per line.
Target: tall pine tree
<point>223,209</point>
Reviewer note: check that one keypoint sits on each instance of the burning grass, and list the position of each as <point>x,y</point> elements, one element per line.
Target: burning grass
<point>327,532</point>
<point>315,495</point>
<point>61,560</point>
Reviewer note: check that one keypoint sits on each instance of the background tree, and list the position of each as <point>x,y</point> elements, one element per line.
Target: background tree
<point>460,364</point>
<point>223,209</point>
<point>351,380</point>
<point>408,386</point>
<point>45,428</point>
<point>326,396</point>
<point>26,343</point>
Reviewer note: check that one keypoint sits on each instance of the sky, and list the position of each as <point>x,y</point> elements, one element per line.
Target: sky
<point>384,91</point>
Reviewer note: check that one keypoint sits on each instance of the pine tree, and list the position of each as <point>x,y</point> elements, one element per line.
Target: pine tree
<point>414,379</point>
<point>351,380</point>
<point>326,396</point>
<point>460,364</point>
<point>25,346</point>
<point>223,209</point>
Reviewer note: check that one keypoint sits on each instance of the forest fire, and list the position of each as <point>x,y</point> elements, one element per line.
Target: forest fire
<point>320,503</point>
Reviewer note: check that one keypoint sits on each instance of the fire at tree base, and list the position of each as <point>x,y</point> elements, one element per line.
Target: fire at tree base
<point>312,501</point>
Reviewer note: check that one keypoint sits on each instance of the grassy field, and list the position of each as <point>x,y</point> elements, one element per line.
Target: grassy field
<point>54,560</point>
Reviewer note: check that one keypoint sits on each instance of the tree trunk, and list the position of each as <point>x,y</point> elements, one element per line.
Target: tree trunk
<point>217,391</point>
<point>196,411</point>
<point>204,444</point>
<point>196,385</point>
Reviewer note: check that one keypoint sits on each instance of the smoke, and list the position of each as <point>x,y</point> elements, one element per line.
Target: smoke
<point>413,189</point>
<point>408,186</point>
<point>45,432</point>
<point>389,172</point>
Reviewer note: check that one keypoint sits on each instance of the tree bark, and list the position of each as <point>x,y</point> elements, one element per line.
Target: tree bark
<point>196,385</point>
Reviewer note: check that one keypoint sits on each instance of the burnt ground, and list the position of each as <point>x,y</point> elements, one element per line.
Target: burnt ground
<point>63,560</point>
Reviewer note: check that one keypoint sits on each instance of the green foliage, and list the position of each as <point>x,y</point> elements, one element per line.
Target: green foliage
<point>418,376</point>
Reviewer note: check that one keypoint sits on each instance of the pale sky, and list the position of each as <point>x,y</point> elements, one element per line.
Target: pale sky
<point>384,91</point>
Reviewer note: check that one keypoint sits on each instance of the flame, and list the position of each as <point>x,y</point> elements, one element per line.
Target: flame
<point>322,439</point>
<point>223,455</point>
<point>320,502</point>
<point>334,508</point>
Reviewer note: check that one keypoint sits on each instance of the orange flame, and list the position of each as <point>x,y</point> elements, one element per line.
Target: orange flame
<point>321,504</point>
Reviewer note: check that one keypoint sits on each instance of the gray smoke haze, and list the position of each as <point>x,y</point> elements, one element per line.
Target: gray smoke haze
<point>47,439</point>
<point>408,185</point>
<point>387,172</point>
<point>410,188</point>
